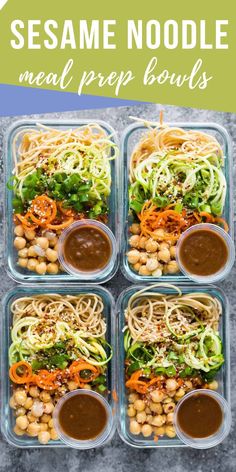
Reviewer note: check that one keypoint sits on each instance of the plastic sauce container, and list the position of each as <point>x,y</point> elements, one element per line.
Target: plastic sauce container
<point>217,434</point>
<point>74,439</point>
<point>87,249</point>
<point>202,245</point>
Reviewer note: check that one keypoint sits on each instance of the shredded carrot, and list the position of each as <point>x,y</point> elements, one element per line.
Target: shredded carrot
<point>23,377</point>
<point>156,438</point>
<point>114,396</point>
<point>171,221</point>
<point>52,380</point>
<point>61,225</point>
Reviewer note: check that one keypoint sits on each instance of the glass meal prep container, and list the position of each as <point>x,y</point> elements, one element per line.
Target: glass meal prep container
<point>23,275</point>
<point>223,377</point>
<point>130,138</point>
<point>7,413</point>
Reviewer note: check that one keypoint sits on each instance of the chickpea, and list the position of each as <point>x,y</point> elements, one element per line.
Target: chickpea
<point>50,424</point>
<point>159,430</point>
<point>31,418</point>
<point>164,245</point>
<point>41,268</point>
<point>43,426</point>
<point>158,420</point>
<point>142,242</point>
<point>157,273</point>
<point>12,402</point>
<point>44,437</point>
<point>18,431</point>
<point>171,384</point>
<point>139,405</point>
<point>53,434</point>
<point>31,252</point>
<point>52,268</point>
<point>51,255</point>
<point>144,271</point>
<point>20,397</point>
<point>133,256</point>
<point>137,266</point>
<point>147,410</point>
<point>72,385</point>
<point>30,234</point>
<point>141,417</point>
<point>134,241</point>
<point>48,408</point>
<point>135,228</point>
<point>213,385</point>
<point>28,403</point>
<point>32,264</point>
<point>152,264</point>
<point>19,231</point>
<point>20,411</point>
<point>159,234</point>
<point>188,384</point>
<point>134,427</point>
<point>180,393</point>
<point>156,408</point>
<point>170,431</point>
<point>133,397</point>
<point>157,396</point>
<point>42,242</point>
<point>167,400</point>
<point>131,412</point>
<point>37,408</point>
<point>173,252</point>
<point>19,243</point>
<point>45,396</point>
<point>164,255</point>
<point>169,407</point>
<point>149,419</point>
<point>172,267</point>
<point>53,242</point>
<point>45,418</point>
<point>33,429</point>
<point>146,430</point>
<point>23,253</point>
<point>34,392</point>
<point>22,422</point>
<point>143,258</point>
<point>151,245</point>
<point>170,418</point>
<point>22,262</point>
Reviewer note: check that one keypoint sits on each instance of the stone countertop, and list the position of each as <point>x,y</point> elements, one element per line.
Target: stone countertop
<point>117,456</point>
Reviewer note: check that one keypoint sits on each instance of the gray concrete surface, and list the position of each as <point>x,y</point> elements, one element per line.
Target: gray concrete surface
<point>117,456</point>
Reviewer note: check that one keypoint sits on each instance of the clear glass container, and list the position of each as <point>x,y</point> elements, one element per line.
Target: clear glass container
<point>7,415</point>
<point>130,138</point>
<point>23,275</point>
<point>223,377</point>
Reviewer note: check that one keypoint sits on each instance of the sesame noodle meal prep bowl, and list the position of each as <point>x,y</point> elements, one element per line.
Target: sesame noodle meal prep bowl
<point>57,173</point>
<point>171,340</point>
<point>174,176</point>
<point>55,341</point>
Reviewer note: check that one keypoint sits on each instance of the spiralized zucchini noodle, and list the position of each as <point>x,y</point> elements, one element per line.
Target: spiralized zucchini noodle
<point>181,166</point>
<point>40,322</point>
<point>85,150</point>
<point>183,323</point>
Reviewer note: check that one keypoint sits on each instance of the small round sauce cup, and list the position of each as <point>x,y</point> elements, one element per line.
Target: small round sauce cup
<point>83,443</point>
<point>207,441</point>
<point>87,274</point>
<point>226,268</point>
